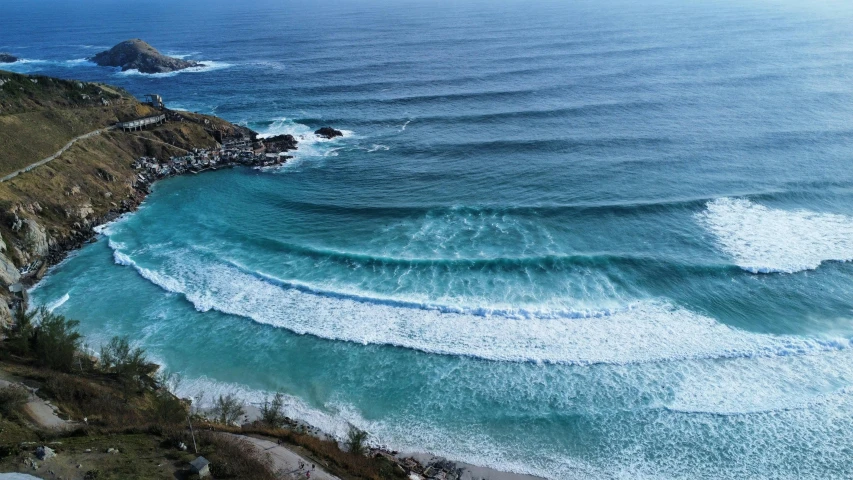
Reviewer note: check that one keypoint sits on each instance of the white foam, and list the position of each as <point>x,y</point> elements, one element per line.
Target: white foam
<point>765,240</point>
<point>760,384</point>
<point>206,390</point>
<point>377,147</point>
<point>26,65</point>
<point>310,145</point>
<point>58,303</point>
<point>206,66</point>
<point>649,331</point>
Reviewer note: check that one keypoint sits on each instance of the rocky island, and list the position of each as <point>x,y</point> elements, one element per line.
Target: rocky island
<point>7,58</point>
<point>138,55</point>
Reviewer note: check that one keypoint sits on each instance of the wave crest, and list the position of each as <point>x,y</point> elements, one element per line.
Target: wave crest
<point>648,331</point>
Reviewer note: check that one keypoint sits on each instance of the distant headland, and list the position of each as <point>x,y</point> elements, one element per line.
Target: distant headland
<point>138,55</point>
<point>7,58</point>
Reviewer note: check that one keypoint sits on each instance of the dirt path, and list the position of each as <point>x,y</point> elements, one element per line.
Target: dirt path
<point>40,411</point>
<point>55,155</point>
<point>286,462</point>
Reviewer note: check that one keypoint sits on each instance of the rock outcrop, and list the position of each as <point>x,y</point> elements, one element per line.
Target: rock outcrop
<point>36,239</point>
<point>7,58</point>
<point>328,132</point>
<point>9,275</point>
<point>138,55</point>
<point>280,143</point>
<point>5,314</point>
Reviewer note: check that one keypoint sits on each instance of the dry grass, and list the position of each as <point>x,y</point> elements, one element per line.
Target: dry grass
<point>327,453</point>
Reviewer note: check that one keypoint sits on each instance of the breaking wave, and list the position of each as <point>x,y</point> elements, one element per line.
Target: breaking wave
<point>647,331</point>
<point>206,66</point>
<point>766,240</point>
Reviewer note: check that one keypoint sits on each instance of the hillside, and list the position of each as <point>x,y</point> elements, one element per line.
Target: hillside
<point>52,208</point>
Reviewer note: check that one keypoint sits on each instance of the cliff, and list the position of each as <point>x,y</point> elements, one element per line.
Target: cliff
<point>53,208</point>
<point>136,54</point>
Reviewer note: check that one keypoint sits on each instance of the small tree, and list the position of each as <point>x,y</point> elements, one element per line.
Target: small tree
<point>19,334</point>
<point>168,409</point>
<point>271,411</point>
<point>228,409</point>
<point>55,340</point>
<point>356,441</point>
<point>129,364</point>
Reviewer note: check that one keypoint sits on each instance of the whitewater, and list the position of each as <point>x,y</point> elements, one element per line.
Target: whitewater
<point>594,240</point>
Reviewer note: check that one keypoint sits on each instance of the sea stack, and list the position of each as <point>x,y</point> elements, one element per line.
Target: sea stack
<point>137,54</point>
<point>7,58</point>
<point>328,132</point>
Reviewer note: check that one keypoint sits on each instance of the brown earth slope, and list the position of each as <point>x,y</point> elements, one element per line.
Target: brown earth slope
<point>52,208</point>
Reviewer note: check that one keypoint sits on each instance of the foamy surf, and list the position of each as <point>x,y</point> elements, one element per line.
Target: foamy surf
<point>310,145</point>
<point>206,66</point>
<point>767,240</point>
<point>28,65</point>
<point>647,332</point>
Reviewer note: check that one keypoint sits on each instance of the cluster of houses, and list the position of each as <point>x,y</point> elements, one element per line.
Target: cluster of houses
<point>234,151</point>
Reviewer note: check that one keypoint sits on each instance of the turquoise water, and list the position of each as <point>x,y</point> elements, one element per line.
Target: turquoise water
<point>592,240</point>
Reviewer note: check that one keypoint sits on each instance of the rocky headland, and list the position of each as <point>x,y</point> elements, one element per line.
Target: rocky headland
<point>7,58</point>
<point>51,210</point>
<point>138,55</point>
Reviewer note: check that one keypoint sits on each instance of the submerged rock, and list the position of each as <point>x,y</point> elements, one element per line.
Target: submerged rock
<point>328,132</point>
<point>136,54</point>
<point>7,58</point>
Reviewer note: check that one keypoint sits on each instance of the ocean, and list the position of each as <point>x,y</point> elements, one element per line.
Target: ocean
<point>586,239</point>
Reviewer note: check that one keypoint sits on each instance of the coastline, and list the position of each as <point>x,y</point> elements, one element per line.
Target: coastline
<point>417,464</point>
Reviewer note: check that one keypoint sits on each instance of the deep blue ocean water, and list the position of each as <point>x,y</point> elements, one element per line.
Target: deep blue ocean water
<point>574,239</point>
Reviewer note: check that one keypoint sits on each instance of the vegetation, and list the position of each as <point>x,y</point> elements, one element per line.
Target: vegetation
<point>12,398</point>
<point>148,422</point>
<point>52,339</point>
<point>127,363</point>
<point>228,409</point>
<point>234,457</point>
<point>271,411</point>
<point>356,441</point>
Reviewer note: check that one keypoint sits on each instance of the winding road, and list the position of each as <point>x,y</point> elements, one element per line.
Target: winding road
<point>55,155</point>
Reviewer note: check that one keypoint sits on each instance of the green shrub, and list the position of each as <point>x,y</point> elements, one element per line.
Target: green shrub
<point>12,399</point>
<point>56,340</point>
<point>19,334</point>
<point>168,409</point>
<point>129,364</point>
<point>271,412</point>
<point>356,441</point>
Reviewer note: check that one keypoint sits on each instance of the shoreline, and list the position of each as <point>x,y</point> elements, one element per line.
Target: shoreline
<point>419,464</point>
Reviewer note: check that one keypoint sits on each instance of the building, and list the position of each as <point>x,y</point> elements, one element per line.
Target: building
<point>154,100</point>
<point>200,466</point>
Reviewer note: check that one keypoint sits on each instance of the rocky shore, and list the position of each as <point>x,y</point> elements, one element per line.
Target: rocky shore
<point>54,209</point>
